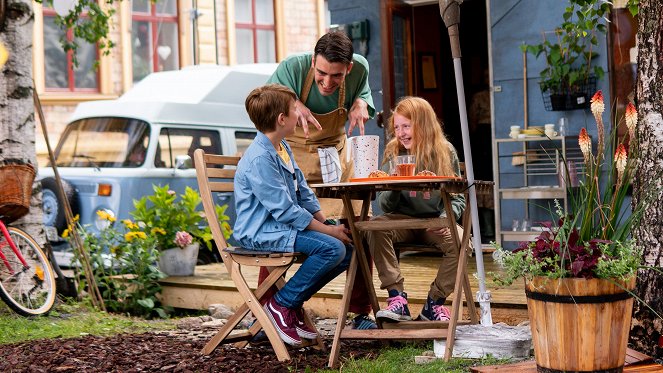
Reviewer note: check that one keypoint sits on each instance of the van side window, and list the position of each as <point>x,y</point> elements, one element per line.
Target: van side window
<point>243,139</point>
<point>124,143</point>
<point>183,141</point>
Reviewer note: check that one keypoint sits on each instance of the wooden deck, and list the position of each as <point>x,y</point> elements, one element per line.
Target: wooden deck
<point>211,284</point>
<point>636,362</point>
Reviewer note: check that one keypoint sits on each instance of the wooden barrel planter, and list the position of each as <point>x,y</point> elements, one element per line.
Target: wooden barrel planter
<point>579,325</point>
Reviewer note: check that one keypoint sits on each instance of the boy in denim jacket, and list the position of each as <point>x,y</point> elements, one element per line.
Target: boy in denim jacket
<point>277,211</point>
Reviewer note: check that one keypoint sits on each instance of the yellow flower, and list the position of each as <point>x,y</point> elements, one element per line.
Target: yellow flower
<point>76,218</point>
<point>631,117</point>
<point>129,224</point>
<point>65,233</point>
<point>130,236</point>
<point>158,230</point>
<point>585,144</point>
<point>105,215</point>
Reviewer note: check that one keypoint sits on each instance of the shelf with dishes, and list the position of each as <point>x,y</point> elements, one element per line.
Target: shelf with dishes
<point>531,174</point>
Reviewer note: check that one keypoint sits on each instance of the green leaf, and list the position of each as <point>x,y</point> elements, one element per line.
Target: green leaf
<point>146,303</point>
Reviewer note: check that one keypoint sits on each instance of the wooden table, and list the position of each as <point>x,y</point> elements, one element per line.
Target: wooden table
<point>366,191</point>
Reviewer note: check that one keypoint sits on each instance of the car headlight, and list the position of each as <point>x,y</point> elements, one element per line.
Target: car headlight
<point>103,219</point>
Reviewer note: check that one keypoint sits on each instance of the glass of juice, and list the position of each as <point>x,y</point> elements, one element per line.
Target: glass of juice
<point>405,165</point>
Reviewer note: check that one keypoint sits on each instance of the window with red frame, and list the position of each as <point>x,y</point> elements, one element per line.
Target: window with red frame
<point>154,37</point>
<point>254,27</point>
<point>60,72</point>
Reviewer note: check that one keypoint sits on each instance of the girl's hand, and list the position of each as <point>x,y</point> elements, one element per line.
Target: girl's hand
<point>443,232</point>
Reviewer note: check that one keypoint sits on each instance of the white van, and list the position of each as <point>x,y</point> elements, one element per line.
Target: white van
<point>113,151</point>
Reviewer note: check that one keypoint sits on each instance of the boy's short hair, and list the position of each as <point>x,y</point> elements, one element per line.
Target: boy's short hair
<point>264,104</point>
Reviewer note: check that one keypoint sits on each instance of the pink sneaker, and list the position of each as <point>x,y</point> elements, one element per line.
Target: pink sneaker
<point>397,309</point>
<point>284,319</point>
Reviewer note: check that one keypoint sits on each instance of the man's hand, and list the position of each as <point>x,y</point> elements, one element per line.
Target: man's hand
<point>443,232</point>
<point>357,116</point>
<point>306,117</point>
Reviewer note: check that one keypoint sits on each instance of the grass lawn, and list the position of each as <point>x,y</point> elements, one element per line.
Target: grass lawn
<point>72,319</point>
<point>68,320</point>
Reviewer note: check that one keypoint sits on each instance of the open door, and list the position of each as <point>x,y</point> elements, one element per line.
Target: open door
<point>397,65</point>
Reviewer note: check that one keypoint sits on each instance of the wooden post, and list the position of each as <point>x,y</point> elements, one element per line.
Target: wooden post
<point>93,289</point>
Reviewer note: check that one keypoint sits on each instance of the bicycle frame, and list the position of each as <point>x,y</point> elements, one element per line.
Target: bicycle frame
<point>11,244</point>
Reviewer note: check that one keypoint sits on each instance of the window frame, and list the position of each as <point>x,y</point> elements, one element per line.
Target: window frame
<point>254,27</point>
<point>153,18</point>
<point>71,74</point>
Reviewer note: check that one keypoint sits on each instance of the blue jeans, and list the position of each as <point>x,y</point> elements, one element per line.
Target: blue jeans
<point>327,258</point>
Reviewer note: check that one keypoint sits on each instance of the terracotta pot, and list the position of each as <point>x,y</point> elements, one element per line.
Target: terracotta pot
<point>579,324</point>
<point>179,262</point>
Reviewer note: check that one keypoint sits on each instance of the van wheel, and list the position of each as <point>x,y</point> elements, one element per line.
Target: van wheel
<point>52,205</point>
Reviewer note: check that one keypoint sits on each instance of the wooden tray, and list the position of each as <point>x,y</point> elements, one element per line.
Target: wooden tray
<point>395,178</point>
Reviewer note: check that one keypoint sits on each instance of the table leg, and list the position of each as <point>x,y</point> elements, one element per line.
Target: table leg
<point>365,271</point>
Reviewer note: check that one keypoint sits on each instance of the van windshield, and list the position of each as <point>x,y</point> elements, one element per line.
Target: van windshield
<point>103,142</point>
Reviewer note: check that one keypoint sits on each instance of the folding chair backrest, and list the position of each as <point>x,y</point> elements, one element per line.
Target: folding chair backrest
<point>214,179</point>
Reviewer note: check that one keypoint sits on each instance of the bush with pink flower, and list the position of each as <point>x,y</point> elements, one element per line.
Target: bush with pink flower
<point>174,221</point>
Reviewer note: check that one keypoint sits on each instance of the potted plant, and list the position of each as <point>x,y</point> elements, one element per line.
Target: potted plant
<point>176,225</point>
<point>579,273</point>
<point>569,76</point>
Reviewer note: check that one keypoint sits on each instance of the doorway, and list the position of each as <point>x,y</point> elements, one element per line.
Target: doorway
<point>417,61</point>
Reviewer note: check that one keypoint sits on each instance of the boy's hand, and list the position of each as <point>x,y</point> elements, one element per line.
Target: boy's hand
<point>340,232</point>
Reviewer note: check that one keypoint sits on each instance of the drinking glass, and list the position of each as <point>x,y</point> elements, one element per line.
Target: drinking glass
<point>405,165</point>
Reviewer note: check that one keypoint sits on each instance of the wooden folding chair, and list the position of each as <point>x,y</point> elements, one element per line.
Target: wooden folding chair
<point>214,175</point>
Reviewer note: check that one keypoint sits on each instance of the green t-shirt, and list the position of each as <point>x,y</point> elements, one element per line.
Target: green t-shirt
<point>292,71</point>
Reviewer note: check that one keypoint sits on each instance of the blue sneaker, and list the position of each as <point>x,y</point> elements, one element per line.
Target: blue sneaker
<point>363,322</point>
<point>260,339</point>
<point>435,311</point>
<point>397,309</point>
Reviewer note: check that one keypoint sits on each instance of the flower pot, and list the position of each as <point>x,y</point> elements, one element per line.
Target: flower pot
<point>179,262</point>
<point>579,325</point>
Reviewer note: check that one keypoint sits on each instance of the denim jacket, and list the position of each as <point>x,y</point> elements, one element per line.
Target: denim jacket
<point>270,209</point>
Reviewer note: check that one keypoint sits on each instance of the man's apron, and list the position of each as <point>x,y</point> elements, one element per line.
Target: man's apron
<point>332,135</point>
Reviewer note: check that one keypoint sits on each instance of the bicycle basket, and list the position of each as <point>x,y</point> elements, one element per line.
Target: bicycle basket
<point>15,190</point>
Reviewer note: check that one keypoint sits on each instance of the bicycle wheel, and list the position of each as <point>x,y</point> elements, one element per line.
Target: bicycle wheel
<point>29,290</point>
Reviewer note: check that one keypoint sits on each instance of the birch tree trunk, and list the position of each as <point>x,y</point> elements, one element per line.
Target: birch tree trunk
<point>17,115</point>
<point>647,328</point>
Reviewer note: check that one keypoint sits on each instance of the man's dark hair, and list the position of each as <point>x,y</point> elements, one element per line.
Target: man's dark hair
<point>264,104</point>
<point>335,46</point>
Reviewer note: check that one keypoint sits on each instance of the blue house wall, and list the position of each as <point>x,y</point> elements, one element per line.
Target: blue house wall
<point>512,23</point>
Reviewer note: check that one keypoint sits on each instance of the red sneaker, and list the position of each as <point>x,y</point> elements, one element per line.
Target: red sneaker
<point>304,330</point>
<point>284,319</point>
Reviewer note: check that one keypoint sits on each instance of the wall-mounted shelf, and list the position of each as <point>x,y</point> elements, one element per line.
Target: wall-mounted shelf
<point>528,169</point>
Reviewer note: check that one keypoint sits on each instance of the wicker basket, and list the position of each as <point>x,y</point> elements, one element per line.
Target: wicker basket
<point>15,190</point>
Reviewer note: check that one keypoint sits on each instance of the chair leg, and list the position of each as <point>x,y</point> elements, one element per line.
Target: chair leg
<point>272,278</point>
<point>225,330</point>
<point>259,312</point>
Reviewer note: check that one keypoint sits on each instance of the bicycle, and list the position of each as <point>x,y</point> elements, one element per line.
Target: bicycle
<point>27,280</point>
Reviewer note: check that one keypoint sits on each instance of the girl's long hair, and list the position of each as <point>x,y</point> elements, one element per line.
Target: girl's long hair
<point>430,146</point>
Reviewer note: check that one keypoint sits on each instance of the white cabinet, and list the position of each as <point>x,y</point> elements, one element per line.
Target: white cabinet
<point>527,181</point>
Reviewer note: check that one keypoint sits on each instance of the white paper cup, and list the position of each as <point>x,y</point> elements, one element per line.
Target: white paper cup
<point>364,151</point>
